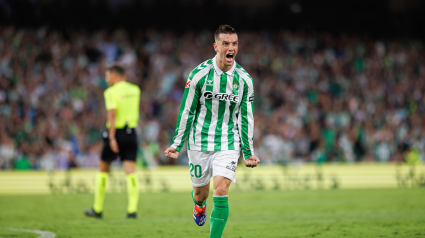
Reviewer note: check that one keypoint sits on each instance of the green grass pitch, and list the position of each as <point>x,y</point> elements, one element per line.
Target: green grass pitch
<point>303,213</point>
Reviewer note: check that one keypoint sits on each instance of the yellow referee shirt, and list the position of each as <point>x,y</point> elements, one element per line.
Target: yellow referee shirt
<point>125,98</point>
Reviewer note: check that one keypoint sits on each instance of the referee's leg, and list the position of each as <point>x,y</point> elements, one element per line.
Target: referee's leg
<point>128,152</point>
<point>129,167</point>
<point>106,158</point>
<point>99,190</point>
<point>100,186</point>
<point>132,187</point>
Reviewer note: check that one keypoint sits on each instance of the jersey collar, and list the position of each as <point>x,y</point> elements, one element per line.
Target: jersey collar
<point>219,71</point>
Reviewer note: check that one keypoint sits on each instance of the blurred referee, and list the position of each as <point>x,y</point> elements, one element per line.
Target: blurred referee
<point>119,138</point>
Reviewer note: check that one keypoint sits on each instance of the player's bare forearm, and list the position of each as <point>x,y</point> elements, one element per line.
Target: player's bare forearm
<point>252,161</point>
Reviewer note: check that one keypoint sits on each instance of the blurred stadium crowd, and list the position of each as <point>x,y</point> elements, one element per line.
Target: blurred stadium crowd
<point>318,97</point>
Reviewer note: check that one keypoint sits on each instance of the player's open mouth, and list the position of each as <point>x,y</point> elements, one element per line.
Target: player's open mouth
<point>229,57</point>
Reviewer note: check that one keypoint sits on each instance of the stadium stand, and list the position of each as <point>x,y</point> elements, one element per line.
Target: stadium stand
<point>318,97</point>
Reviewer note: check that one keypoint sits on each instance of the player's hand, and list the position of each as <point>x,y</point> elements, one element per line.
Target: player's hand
<point>114,145</point>
<point>172,153</point>
<point>252,161</point>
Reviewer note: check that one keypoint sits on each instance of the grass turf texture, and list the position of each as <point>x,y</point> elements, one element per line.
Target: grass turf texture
<point>307,213</point>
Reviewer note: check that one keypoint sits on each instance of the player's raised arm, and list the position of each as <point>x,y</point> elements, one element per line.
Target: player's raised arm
<point>246,122</point>
<point>184,121</point>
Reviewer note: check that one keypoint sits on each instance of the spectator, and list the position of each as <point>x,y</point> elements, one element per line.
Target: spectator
<point>318,97</point>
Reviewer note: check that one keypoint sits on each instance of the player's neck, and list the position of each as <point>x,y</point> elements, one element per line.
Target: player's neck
<point>222,66</point>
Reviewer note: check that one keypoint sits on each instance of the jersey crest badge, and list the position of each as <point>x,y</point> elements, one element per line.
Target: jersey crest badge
<point>235,86</point>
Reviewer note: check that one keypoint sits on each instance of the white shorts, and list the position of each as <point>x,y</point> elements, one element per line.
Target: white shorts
<point>203,165</point>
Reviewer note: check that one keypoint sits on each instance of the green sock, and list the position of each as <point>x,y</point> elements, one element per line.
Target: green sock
<point>200,204</point>
<point>99,191</point>
<point>133,192</point>
<point>219,216</point>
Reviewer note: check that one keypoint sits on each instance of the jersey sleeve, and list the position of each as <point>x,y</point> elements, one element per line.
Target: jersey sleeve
<point>110,101</point>
<point>246,120</point>
<point>188,106</point>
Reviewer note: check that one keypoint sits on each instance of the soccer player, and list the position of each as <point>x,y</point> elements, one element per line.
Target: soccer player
<point>119,139</point>
<point>217,116</point>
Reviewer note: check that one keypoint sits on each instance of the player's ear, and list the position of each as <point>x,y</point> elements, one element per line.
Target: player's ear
<point>215,47</point>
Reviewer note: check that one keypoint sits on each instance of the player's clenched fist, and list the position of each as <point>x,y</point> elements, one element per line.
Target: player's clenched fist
<point>172,153</point>
<point>252,161</point>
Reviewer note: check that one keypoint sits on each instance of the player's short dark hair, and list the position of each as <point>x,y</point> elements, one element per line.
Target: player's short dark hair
<point>224,29</point>
<point>116,68</point>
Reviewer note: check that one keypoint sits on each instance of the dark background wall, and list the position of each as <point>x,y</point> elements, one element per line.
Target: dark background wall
<point>377,18</point>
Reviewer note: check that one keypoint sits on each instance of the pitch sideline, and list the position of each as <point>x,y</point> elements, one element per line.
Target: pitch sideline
<point>44,234</point>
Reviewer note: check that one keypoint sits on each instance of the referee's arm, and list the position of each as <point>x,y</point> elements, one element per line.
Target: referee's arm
<point>111,107</point>
<point>111,120</point>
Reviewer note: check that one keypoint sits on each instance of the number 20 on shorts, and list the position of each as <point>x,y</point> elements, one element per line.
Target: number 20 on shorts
<point>197,168</point>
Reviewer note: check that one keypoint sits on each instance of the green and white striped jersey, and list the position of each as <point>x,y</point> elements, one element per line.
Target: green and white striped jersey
<point>216,112</point>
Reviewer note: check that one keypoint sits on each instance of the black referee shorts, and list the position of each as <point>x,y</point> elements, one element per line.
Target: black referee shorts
<point>127,145</point>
